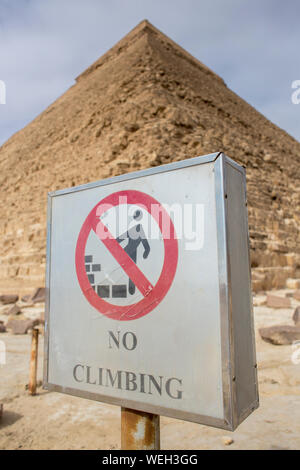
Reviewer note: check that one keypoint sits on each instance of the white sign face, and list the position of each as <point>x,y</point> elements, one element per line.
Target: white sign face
<point>136,313</point>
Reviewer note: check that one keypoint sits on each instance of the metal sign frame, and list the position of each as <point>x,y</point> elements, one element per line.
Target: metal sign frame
<point>233,357</point>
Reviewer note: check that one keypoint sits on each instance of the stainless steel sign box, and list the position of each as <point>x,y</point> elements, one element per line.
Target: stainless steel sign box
<point>163,324</point>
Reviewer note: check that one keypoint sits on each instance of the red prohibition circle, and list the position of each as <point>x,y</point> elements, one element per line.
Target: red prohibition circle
<point>157,292</point>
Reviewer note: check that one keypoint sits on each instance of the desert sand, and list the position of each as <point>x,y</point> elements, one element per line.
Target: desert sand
<point>52,420</point>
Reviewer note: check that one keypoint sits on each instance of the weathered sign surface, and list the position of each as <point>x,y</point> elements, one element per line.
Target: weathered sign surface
<point>148,292</point>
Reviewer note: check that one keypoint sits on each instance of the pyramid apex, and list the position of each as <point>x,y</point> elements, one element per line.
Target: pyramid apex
<point>123,43</point>
<point>144,23</point>
<point>144,27</point>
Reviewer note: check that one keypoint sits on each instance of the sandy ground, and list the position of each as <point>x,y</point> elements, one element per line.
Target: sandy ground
<point>57,421</point>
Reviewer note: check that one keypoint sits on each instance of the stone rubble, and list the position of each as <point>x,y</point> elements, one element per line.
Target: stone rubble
<point>227,441</point>
<point>274,301</point>
<point>297,295</point>
<point>23,316</point>
<point>15,310</point>
<point>8,299</point>
<point>280,334</point>
<point>21,326</point>
<point>296,316</point>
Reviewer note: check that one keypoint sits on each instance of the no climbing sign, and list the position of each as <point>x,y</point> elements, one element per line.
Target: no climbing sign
<point>148,292</point>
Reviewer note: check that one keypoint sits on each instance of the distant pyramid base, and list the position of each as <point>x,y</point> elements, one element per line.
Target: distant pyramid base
<point>144,103</point>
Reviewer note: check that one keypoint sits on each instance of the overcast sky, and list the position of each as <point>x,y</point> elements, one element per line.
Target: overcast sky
<point>254,45</point>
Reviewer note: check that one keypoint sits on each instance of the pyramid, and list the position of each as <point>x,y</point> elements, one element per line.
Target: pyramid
<point>147,102</point>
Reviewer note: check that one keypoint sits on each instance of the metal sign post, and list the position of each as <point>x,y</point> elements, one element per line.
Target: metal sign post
<point>33,361</point>
<point>139,430</point>
<point>149,296</point>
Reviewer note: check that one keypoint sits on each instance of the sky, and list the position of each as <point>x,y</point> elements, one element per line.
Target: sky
<point>254,45</point>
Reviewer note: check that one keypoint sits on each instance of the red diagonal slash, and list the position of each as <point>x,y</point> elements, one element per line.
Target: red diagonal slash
<point>124,260</point>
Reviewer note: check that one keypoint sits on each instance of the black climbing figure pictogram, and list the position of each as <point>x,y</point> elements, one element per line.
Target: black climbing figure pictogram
<point>135,236</point>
